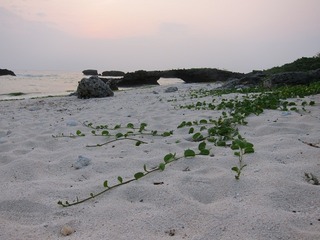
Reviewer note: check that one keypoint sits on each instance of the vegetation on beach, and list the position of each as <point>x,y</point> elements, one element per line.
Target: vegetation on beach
<point>303,64</point>
<point>205,133</point>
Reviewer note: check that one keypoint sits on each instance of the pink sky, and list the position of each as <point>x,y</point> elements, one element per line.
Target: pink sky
<point>238,35</point>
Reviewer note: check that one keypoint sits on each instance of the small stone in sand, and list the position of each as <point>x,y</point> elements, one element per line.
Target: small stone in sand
<point>81,162</point>
<point>66,230</point>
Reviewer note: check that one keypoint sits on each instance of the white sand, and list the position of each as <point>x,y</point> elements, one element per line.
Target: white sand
<point>272,199</point>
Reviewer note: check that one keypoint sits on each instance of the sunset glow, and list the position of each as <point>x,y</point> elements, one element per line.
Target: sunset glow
<point>212,33</point>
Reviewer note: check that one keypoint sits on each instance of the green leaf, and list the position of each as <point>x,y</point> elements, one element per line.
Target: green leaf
<point>117,126</point>
<point>169,158</point>
<point>166,134</point>
<point>92,195</point>
<point>204,152</point>
<point>130,125</point>
<point>119,135</point>
<point>236,169</point>
<point>182,124</point>
<point>145,168</point>
<point>203,128</point>
<point>105,184</point>
<point>221,143</point>
<point>120,179</point>
<point>202,146</point>
<point>248,150</point>
<point>105,133</point>
<point>138,175</point>
<point>93,132</point>
<point>189,153</point>
<point>138,143</point>
<point>142,127</point>
<point>79,133</point>
<point>237,154</point>
<point>197,137</point>
<point>191,130</point>
<point>203,121</point>
<point>162,166</point>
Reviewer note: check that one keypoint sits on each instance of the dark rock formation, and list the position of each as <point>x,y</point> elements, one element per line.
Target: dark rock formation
<point>93,87</point>
<point>6,72</point>
<point>112,82</point>
<point>292,78</point>
<point>260,78</point>
<point>139,78</point>
<point>90,72</point>
<point>252,79</point>
<point>113,73</point>
<point>196,75</point>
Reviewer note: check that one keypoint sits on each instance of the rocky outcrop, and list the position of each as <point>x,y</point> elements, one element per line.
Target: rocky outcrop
<point>113,73</point>
<point>93,87</point>
<point>260,78</point>
<point>6,72</point>
<point>253,79</point>
<point>112,82</point>
<point>139,78</point>
<point>292,78</point>
<point>196,75</point>
<point>89,72</point>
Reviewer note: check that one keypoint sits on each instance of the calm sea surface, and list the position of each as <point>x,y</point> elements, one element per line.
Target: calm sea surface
<point>46,83</point>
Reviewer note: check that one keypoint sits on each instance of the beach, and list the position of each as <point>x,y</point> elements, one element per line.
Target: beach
<point>43,140</point>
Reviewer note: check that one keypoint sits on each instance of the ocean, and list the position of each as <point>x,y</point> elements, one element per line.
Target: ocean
<point>32,84</point>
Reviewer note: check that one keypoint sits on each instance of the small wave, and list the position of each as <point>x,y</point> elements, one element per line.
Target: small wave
<point>36,75</point>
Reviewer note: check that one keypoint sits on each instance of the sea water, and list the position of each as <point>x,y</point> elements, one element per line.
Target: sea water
<point>32,84</point>
<point>38,84</point>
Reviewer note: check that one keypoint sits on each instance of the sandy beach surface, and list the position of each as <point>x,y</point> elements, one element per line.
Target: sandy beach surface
<point>193,198</point>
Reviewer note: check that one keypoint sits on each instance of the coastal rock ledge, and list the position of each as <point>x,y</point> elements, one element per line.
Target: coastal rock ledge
<point>6,72</point>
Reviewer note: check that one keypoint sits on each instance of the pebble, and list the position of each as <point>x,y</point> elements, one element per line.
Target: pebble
<point>66,230</point>
<point>72,123</point>
<point>171,89</point>
<point>81,162</point>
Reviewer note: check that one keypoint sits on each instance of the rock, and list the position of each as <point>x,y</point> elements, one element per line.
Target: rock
<point>288,78</point>
<point>72,123</point>
<point>194,75</point>
<point>315,74</point>
<point>113,73</point>
<point>66,230</point>
<point>6,72</point>
<point>81,162</point>
<point>252,79</point>
<point>171,89</point>
<point>93,87</point>
<point>112,82</point>
<point>139,78</point>
<point>90,72</point>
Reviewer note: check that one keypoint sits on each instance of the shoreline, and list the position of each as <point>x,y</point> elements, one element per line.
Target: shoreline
<point>193,198</point>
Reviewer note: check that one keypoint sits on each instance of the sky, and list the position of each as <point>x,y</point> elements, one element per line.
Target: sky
<point>129,35</point>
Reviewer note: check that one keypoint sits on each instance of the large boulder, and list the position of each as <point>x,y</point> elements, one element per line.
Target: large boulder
<point>93,87</point>
<point>6,72</point>
<point>89,72</point>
